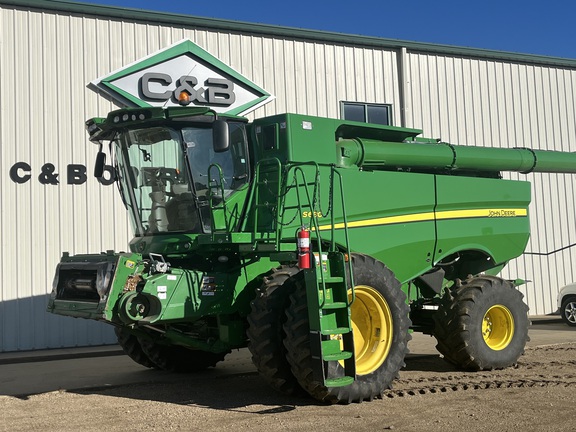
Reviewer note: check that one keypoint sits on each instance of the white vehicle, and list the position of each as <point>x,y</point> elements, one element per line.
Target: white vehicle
<point>567,304</point>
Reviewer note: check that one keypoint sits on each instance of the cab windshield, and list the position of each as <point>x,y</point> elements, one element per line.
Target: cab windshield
<point>165,175</point>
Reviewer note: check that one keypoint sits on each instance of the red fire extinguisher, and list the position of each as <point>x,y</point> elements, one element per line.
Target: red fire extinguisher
<point>303,248</point>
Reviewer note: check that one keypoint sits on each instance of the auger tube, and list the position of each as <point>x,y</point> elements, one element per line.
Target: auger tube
<point>443,156</point>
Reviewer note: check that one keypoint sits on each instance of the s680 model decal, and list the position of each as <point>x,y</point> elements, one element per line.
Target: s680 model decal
<point>308,214</point>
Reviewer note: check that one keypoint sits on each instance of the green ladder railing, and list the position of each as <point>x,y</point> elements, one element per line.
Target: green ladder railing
<point>329,289</point>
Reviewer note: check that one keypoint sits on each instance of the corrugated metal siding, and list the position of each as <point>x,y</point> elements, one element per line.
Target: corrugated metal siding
<point>494,103</point>
<point>43,106</point>
<point>46,59</point>
<point>45,63</point>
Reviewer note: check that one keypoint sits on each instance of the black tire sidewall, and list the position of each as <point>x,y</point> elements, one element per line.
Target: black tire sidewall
<point>463,342</point>
<point>369,272</point>
<point>390,289</point>
<point>132,348</point>
<point>565,301</point>
<point>266,320</point>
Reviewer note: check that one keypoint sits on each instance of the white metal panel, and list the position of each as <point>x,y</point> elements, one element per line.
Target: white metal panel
<point>43,107</point>
<point>501,104</point>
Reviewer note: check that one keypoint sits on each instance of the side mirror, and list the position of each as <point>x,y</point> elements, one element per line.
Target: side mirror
<point>220,136</point>
<point>99,164</point>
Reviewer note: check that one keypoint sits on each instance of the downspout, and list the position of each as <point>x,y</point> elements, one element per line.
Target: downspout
<point>402,80</point>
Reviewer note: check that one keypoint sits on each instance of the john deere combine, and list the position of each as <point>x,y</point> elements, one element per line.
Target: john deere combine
<point>318,243</point>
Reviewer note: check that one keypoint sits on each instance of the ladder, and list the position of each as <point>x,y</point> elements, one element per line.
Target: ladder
<point>329,287</point>
<point>331,335</point>
<point>281,196</point>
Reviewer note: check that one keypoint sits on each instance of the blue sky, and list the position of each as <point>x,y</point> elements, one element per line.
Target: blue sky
<point>531,27</point>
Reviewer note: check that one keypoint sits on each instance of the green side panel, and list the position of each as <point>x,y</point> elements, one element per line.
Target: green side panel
<point>390,217</point>
<point>489,215</point>
<point>394,215</point>
<point>188,295</point>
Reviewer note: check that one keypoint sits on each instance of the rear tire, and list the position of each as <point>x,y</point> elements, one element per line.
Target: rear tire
<point>482,324</point>
<point>568,310</point>
<point>266,333</point>
<point>380,323</point>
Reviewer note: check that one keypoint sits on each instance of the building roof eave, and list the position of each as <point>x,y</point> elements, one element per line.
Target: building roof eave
<point>218,24</point>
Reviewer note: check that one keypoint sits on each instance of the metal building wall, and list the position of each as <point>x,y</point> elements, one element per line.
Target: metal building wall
<point>504,104</point>
<point>46,61</point>
<point>47,58</point>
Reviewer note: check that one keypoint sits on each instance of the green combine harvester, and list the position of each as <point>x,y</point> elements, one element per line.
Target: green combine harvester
<point>318,243</point>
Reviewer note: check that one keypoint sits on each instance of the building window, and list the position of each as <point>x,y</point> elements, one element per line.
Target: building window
<point>366,112</point>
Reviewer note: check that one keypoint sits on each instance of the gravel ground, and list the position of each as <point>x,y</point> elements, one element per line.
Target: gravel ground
<point>537,395</point>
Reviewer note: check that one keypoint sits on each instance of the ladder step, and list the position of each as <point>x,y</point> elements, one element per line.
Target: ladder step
<point>339,382</point>
<point>331,279</point>
<point>335,305</point>
<point>342,355</point>
<point>335,331</point>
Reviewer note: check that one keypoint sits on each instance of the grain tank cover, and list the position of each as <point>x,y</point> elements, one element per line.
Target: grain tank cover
<point>376,132</point>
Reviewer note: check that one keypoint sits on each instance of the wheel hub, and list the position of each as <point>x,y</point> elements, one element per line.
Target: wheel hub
<point>498,327</point>
<point>373,329</point>
<point>570,312</point>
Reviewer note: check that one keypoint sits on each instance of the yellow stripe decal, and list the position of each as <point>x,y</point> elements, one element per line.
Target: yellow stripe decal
<point>429,216</point>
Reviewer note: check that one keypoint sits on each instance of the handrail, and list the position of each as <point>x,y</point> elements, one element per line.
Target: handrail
<point>313,204</point>
<point>292,177</point>
<point>254,196</point>
<point>346,237</point>
<point>211,195</point>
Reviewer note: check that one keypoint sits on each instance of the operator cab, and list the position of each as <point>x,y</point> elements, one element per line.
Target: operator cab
<point>168,171</point>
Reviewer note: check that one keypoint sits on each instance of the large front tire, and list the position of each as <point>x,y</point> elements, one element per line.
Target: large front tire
<point>132,348</point>
<point>482,324</point>
<point>380,325</point>
<point>179,359</point>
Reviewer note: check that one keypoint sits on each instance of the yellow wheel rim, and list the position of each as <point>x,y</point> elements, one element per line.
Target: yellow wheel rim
<point>372,328</point>
<point>498,327</point>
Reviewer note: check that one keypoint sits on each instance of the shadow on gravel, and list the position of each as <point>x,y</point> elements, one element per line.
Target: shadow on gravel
<point>246,393</point>
<point>428,363</point>
<point>243,393</point>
